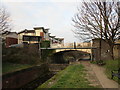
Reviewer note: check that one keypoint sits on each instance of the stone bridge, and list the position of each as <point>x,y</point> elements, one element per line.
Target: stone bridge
<point>84,49</point>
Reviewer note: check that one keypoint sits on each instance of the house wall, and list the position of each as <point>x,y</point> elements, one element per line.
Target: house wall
<point>47,36</point>
<point>40,32</point>
<point>42,35</point>
<point>37,32</point>
<point>20,36</point>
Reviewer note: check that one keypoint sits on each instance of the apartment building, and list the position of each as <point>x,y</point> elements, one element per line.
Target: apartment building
<point>33,36</point>
<point>38,34</point>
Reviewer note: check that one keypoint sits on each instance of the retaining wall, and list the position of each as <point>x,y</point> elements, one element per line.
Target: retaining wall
<point>20,78</point>
<point>57,67</point>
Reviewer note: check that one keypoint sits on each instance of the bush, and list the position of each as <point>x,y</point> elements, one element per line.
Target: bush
<point>46,53</point>
<point>100,62</point>
<point>45,44</point>
<point>21,56</point>
<point>112,64</point>
<point>93,62</point>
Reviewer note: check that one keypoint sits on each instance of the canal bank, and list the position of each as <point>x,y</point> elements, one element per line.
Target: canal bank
<point>31,77</point>
<point>22,77</point>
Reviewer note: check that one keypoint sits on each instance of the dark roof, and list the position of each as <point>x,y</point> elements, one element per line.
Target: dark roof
<point>32,31</point>
<point>32,36</point>
<point>7,32</point>
<point>27,31</point>
<point>46,30</point>
<point>52,36</point>
<point>59,39</point>
<point>38,28</point>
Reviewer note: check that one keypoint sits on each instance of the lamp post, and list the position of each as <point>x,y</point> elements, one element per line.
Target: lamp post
<point>74,45</point>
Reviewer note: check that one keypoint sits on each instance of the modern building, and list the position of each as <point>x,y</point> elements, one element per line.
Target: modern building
<point>38,34</point>
<point>33,36</point>
<point>56,42</point>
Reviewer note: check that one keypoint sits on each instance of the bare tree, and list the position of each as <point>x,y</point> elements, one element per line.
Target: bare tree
<point>5,22</point>
<point>98,20</point>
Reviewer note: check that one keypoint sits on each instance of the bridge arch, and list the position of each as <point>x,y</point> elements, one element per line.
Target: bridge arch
<point>67,56</point>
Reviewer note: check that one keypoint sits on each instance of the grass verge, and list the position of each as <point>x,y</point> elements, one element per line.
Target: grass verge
<point>110,66</point>
<point>71,77</point>
<point>11,67</point>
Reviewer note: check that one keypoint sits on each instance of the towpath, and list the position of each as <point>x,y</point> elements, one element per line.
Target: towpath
<point>96,75</point>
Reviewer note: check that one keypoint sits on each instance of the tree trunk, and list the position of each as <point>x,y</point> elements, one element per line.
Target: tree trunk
<point>100,43</point>
<point>112,51</point>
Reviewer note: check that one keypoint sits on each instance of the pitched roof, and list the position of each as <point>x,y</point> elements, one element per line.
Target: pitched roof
<point>59,39</point>
<point>38,28</point>
<point>8,32</point>
<point>46,30</point>
<point>33,31</point>
<point>52,36</point>
<point>27,31</point>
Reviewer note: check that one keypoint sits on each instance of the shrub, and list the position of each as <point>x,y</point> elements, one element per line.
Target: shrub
<point>21,56</point>
<point>45,44</point>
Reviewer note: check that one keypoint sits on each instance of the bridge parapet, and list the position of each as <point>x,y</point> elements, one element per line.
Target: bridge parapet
<point>84,50</point>
<point>56,45</point>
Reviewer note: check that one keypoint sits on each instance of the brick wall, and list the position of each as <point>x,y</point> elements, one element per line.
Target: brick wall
<point>10,41</point>
<point>117,51</point>
<point>105,50</point>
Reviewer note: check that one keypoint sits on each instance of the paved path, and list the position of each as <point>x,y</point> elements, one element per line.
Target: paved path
<point>98,76</point>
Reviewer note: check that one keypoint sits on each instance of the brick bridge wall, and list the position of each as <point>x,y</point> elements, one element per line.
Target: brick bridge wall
<point>105,50</point>
<point>105,54</point>
<point>117,51</point>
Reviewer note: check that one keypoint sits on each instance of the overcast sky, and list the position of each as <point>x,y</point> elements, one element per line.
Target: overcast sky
<point>54,14</point>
